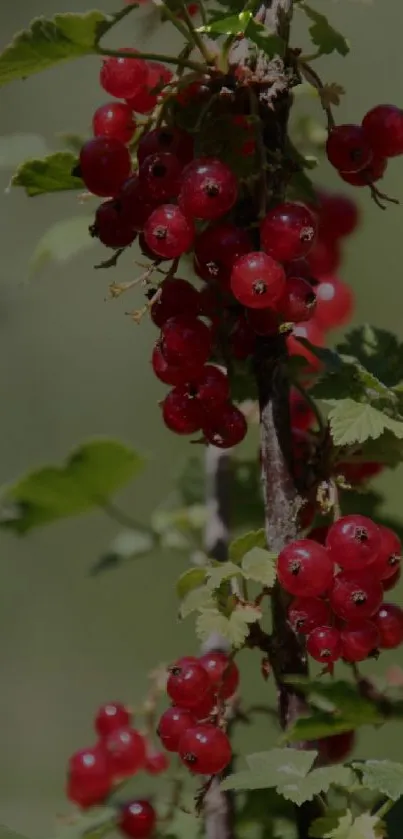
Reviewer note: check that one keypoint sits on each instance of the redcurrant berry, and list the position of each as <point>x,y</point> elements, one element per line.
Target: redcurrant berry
<point>184,338</point>
<point>226,428</point>
<point>168,232</point>
<point>110,226</point>
<point>358,640</point>
<point>257,280</point>
<point>357,473</point>
<point>205,749</point>
<point>288,231</point>
<point>207,391</point>
<point>223,673</point>
<point>383,126</point>
<point>137,819</point>
<point>147,96</point>
<point>156,762</point>
<point>324,644</point>
<point>205,707</point>
<point>208,190</point>
<point>126,752</point>
<point>159,176</point>
<point>172,140</point>
<point>336,748</point>
<point>110,717</point>
<point>372,173</point>
<point>173,723</point>
<point>334,303</point>
<point>298,302</point>
<point>305,569</point>
<point>391,582</point>
<point>307,613</point>
<point>115,119</point>
<point>187,683</point>
<point>177,297</point>
<point>173,374</point>
<point>356,596</point>
<point>89,780</point>
<point>354,542</point>
<point>338,215</point>
<point>348,148</point>
<point>104,165</point>
<point>389,622</point>
<point>123,76</point>
<point>135,207</point>
<point>181,414</point>
<point>216,250</point>
<point>390,554</point>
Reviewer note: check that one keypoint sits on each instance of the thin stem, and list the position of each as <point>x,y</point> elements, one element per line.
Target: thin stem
<point>155,56</point>
<point>122,518</point>
<point>384,809</point>
<point>173,18</point>
<point>203,12</point>
<point>195,35</point>
<point>316,82</point>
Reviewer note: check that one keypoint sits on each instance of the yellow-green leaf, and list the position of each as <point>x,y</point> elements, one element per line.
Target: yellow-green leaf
<point>260,565</point>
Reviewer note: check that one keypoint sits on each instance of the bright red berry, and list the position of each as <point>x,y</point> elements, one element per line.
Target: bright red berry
<point>324,644</point>
<point>137,819</point>
<point>307,613</point>
<point>298,303</point>
<point>168,232</point>
<point>288,231</point>
<point>123,76</point>
<point>208,190</point>
<point>181,414</point>
<point>110,226</point>
<point>126,752</point>
<point>223,673</point>
<point>383,126</point>
<point>205,749</point>
<point>159,176</point>
<point>354,542</point>
<point>356,596</point>
<point>336,748</point>
<point>389,622</point>
<point>147,96</point>
<point>305,569</point>
<point>135,206</point>
<point>104,165</point>
<point>325,257</point>
<point>115,119</point>
<point>187,683</point>
<point>372,173</point>
<point>177,297</point>
<point>334,303</point>
<point>348,148</point>
<point>302,415</point>
<point>390,554</point>
<point>156,762</point>
<point>173,374</point>
<point>338,215</point>
<point>173,723</point>
<point>88,780</point>
<point>358,640</point>
<point>217,248</point>
<point>257,280</point>
<point>185,338</point>
<point>226,427</point>
<point>110,717</point>
<point>311,332</point>
<point>172,140</point>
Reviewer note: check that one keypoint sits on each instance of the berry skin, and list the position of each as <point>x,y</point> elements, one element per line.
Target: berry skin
<point>137,819</point>
<point>184,338</point>
<point>226,428</point>
<point>372,173</point>
<point>104,165</point>
<point>348,148</point>
<point>288,231</point>
<point>305,569</point>
<point>110,227</point>
<point>311,332</point>
<point>383,126</point>
<point>167,232</point>
<point>356,596</point>
<point>181,414</point>
<point>390,554</point>
<point>173,374</point>
<point>115,119</point>
<point>145,100</point>
<point>335,749</point>
<point>307,613</point>
<point>217,248</point>
<point>325,257</point>
<point>110,717</point>
<point>187,683</point>
<point>338,215</point>
<point>122,77</point>
<point>208,190</point>
<point>89,780</point>
<point>205,707</point>
<point>173,723</point>
<point>205,392</point>
<point>126,752</point>
<point>354,542</point>
<point>136,208</point>
<point>334,303</point>
<point>324,644</point>
<point>358,640</point>
<point>172,140</point>
<point>205,749</point>
<point>223,673</point>
<point>257,280</point>
<point>389,622</point>
<point>302,415</point>
<point>159,176</point>
<point>178,297</point>
<point>298,302</point>
<point>358,473</point>
<point>391,582</point>
<point>156,763</point>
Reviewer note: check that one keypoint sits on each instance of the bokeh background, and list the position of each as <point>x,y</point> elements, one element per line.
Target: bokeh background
<point>73,366</point>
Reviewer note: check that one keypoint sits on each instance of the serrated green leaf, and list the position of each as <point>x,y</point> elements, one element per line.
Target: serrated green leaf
<point>218,575</point>
<point>244,22</point>
<point>234,629</point>
<point>355,422</point>
<point>340,708</point>
<point>52,174</point>
<point>323,35</point>
<point>324,824</point>
<point>318,781</point>
<point>239,547</point>
<point>350,379</point>
<point>197,599</point>
<point>378,350</point>
<point>224,24</point>
<point>260,565</point>
<point>364,826</point>
<point>90,475</point>
<point>62,241</point>
<point>283,762</point>
<point>384,776</point>
<point>319,724</point>
<point>190,580</point>
<point>269,42</point>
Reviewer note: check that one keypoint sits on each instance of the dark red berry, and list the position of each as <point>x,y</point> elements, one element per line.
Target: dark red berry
<point>110,717</point>
<point>167,232</point>
<point>358,473</point>
<point>354,542</point>
<point>104,165</point>
<point>311,332</point>
<point>302,415</point>
<point>389,622</point>
<point>115,119</point>
<point>147,96</point>
<point>217,248</point>
<point>187,683</point>
<point>185,338</point>
<point>226,428</point>
<point>372,173</point>
<point>126,752</point>
<point>173,374</point>
<point>177,297</point>
<point>305,569</point>
<point>223,673</point>
<point>391,582</point>
<point>208,189</point>
<point>324,644</point>
<point>110,226</point>
<point>288,231</point>
<point>88,780</point>
<point>137,819</point>
<point>383,126</point>
<point>205,707</point>
<point>181,414</point>
<point>173,723</point>
<point>338,215</point>
<point>172,140</point>
<point>205,749</point>
<point>348,148</point>
<point>135,207</point>
<point>358,640</point>
<point>325,257</point>
<point>356,596</point>
<point>159,176</point>
<point>336,748</point>
<point>334,303</point>
<point>123,76</point>
<point>156,762</point>
<point>204,393</point>
<point>390,554</point>
<point>257,280</point>
<point>298,303</point>
<point>307,613</point>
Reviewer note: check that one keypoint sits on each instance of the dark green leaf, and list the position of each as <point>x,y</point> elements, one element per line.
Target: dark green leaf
<point>244,22</point>
<point>224,24</point>
<point>320,827</point>
<point>52,174</point>
<point>189,580</point>
<point>269,42</point>
<point>323,35</point>
<point>378,350</point>
<point>317,725</point>
<point>239,547</point>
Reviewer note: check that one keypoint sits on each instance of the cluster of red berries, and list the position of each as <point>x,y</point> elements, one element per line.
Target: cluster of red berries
<point>360,152</point>
<point>339,586</point>
<point>198,689</point>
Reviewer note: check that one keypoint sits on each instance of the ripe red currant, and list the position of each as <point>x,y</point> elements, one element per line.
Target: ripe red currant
<point>334,303</point>
<point>305,569</point>
<point>110,717</point>
<point>298,303</point>
<point>173,374</point>
<point>156,762</point>
<point>123,76</point>
<point>391,582</point>
<point>205,749</point>
<point>159,176</point>
<point>164,139</point>
<point>181,414</point>
<point>356,595</point>
<point>134,205</point>
<point>358,473</point>
<point>223,673</point>
<point>89,780</point>
<point>104,165</point>
<point>336,748</point>
<point>324,644</point>
<point>358,640</point>
<point>147,96</point>
<point>115,119</point>
<point>208,189</point>
<point>204,393</point>
<point>257,280</point>
<point>185,338</point>
<point>137,819</point>
<point>307,613</point>
<point>389,622</point>
<point>217,248</point>
<point>338,215</point>
<point>383,126</point>
<point>354,542</point>
<point>390,554</point>
<point>173,723</point>
<point>177,297</point>
<point>126,752</point>
<point>372,173</point>
<point>226,427</point>
<point>348,148</point>
<point>168,232</point>
<point>288,231</point>
<point>187,683</point>
<point>205,707</point>
<point>110,226</point>
<point>311,332</point>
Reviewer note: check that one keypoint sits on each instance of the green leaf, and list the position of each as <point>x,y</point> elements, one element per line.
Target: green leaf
<point>260,565</point>
<point>323,35</point>
<point>350,379</point>
<point>383,776</point>
<point>324,824</point>
<point>224,24</point>
<point>49,42</point>
<point>355,422</point>
<point>378,350</point>
<point>361,827</point>
<point>239,547</point>
<point>318,781</point>
<point>91,473</point>
<point>196,600</point>
<point>340,708</point>
<point>223,572</point>
<point>61,242</point>
<point>269,42</point>
<point>319,724</point>
<point>190,580</point>
<point>14,148</point>
<point>234,629</point>
<point>52,174</point>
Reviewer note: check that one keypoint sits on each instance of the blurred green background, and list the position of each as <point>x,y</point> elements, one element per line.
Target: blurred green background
<point>73,366</point>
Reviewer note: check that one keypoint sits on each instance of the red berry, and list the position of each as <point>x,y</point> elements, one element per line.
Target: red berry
<point>302,415</point>
<point>389,622</point>
<point>226,428</point>
<point>257,280</point>
<point>391,582</point>
<point>358,640</point>
<point>178,297</point>
<point>305,569</point>
<point>184,338</point>
<point>126,752</point>
<point>372,173</point>
<point>207,391</point>
<point>168,232</point>
<point>217,248</point>
<point>298,302</point>
<point>336,748</point>
<point>104,165</point>
<point>334,303</point>
<point>348,148</point>
<point>390,554</point>
<point>223,673</point>
<point>137,819</point>
<point>187,683</point>
<point>110,717</point>
<point>354,542</point>
<point>110,226</point>
<point>325,257</point>
<point>156,763</point>
<point>89,780</point>
<point>383,126</point>
<point>307,613</point>
<point>181,414</point>
<point>205,707</point>
<point>173,723</point>
<point>135,206</point>
<point>146,97</point>
<point>338,215</point>
<point>311,332</point>
<point>357,473</point>
<point>324,644</point>
<point>263,321</point>
<point>159,176</point>
<point>205,749</point>
<point>288,231</point>
<point>173,374</point>
<point>172,140</point>
<point>115,119</point>
<point>242,339</point>
<point>123,76</point>
<point>356,596</point>
<point>208,190</point>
